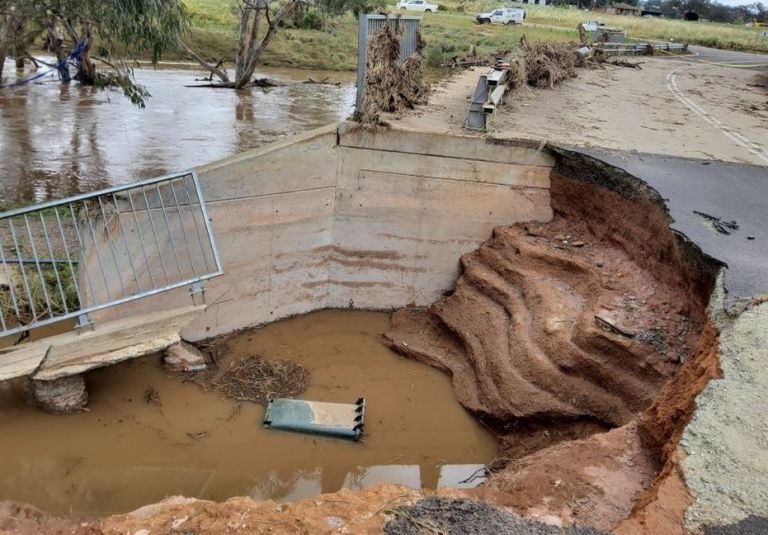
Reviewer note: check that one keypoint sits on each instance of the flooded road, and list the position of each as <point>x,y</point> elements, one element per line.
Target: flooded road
<point>58,140</point>
<point>125,452</point>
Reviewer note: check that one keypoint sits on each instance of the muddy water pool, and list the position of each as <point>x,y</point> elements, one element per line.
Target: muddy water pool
<point>124,452</point>
<point>58,140</point>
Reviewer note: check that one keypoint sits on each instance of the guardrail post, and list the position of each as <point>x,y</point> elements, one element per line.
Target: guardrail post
<point>195,290</point>
<point>84,323</point>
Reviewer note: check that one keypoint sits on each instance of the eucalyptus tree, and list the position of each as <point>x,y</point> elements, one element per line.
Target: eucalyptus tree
<point>101,37</point>
<point>257,24</point>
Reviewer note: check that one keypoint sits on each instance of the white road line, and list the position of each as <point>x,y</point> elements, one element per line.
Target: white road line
<point>732,134</point>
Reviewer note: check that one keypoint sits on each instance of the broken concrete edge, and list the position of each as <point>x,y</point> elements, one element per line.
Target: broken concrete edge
<point>59,387</point>
<point>183,357</point>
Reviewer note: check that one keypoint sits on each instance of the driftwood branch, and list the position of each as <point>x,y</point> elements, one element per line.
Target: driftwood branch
<point>220,73</point>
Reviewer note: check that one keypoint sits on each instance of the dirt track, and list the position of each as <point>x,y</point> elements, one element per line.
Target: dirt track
<point>626,109</point>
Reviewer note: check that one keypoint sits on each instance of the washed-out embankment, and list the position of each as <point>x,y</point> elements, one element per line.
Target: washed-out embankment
<point>578,331</point>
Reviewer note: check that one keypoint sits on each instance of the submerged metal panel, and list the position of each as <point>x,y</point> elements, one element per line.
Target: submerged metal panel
<point>342,420</point>
<point>67,258</point>
<point>370,24</point>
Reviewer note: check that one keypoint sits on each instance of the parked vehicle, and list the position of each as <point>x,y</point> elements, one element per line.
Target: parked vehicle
<point>417,5</point>
<point>502,15</point>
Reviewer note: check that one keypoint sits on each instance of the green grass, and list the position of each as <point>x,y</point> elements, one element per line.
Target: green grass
<point>726,36</point>
<point>447,33</point>
<point>335,48</point>
<point>213,34</point>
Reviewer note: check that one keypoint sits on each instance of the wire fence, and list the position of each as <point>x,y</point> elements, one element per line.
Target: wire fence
<point>67,258</point>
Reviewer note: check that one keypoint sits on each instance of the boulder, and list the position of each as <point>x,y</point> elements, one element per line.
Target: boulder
<point>184,357</point>
<point>61,396</point>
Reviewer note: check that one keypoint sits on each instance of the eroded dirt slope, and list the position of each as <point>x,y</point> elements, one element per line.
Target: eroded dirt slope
<point>565,320</point>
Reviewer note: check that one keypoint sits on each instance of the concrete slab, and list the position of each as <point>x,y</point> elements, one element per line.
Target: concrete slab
<point>115,342</point>
<point>110,343</point>
<point>23,360</point>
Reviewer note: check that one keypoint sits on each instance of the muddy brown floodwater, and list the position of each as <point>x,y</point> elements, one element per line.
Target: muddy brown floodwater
<point>124,452</point>
<point>58,140</point>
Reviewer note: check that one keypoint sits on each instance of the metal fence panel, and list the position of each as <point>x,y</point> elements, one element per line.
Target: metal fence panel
<point>66,258</point>
<point>370,24</point>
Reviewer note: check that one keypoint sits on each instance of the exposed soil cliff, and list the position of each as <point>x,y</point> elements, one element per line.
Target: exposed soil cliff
<point>585,317</point>
<point>557,331</point>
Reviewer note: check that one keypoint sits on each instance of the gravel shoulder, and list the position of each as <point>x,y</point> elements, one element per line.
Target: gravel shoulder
<point>726,467</point>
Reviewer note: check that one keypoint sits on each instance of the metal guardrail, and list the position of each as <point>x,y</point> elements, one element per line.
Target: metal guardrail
<point>68,258</point>
<point>640,48</point>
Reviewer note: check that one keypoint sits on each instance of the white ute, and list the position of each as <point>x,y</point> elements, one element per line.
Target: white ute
<point>502,15</point>
<point>417,5</point>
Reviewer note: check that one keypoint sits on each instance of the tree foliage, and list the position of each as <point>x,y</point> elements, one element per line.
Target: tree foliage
<point>109,32</point>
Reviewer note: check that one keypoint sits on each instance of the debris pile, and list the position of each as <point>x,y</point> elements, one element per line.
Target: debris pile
<point>390,86</point>
<point>259,379</point>
<point>548,63</point>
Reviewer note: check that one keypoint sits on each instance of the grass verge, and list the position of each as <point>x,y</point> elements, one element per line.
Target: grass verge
<point>448,33</point>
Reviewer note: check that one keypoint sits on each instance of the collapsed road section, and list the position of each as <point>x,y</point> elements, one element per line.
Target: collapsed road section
<point>574,322</point>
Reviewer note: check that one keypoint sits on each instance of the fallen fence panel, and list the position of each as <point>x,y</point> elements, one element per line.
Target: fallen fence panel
<point>64,259</point>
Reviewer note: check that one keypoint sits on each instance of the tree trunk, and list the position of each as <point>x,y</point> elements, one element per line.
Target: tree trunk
<point>56,45</point>
<point>247,66</point>
<point>249,47</point>
<point>219,73</point>
<point>3,42</point>
<point>2,59</point>
<point>87,67</point>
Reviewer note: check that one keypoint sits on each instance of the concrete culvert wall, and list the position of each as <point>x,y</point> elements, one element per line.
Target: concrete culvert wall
<point>339,218</point>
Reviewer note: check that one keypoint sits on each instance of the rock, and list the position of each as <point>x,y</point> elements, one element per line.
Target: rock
<point>184,357</point>
<point>61,396</point>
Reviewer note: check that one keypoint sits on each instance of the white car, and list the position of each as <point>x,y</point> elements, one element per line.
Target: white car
<point>417,5</point>
<point>502,15</point>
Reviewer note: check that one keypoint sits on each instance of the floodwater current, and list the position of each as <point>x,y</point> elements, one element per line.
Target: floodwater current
<point>124,452</point>
<point>58,140</point>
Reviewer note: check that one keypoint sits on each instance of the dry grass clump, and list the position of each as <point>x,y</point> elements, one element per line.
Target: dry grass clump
<point>548,62</point>
<point>258,379</point>
<point>33,294</point>
<point>390,86</point>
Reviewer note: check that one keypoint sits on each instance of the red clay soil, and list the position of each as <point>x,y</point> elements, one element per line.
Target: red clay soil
<point>354,512</point>
<point>556,331</point>
<point>564,320</point>
<point>662,507</point>
<point>589,482</point>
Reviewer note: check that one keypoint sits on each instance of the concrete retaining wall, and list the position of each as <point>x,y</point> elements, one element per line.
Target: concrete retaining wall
<point>342,217</point>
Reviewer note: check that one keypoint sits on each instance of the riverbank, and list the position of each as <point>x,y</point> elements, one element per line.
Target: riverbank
<point>447,33</point>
